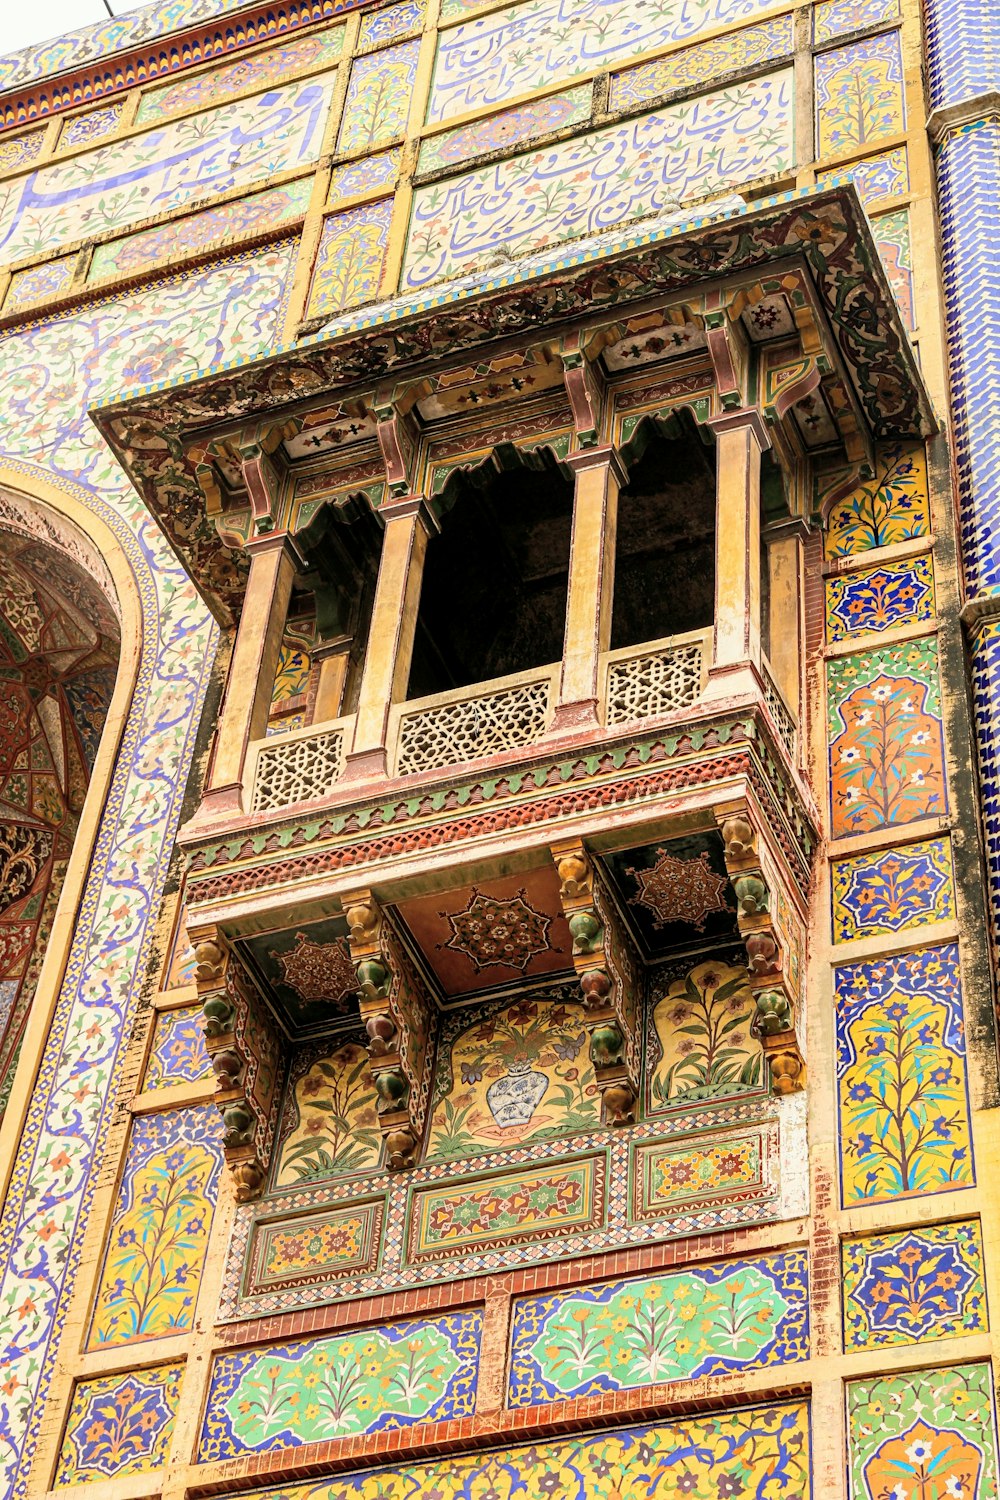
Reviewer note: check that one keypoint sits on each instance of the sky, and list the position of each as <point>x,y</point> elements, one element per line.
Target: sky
<point>24,22</point>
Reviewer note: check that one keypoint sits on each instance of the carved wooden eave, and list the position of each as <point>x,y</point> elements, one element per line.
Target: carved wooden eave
<point>182,444</point>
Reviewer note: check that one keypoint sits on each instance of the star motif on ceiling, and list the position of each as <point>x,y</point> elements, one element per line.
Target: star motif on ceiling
<point>318,971</point>
<point>493,931</point>
<point>680,890</point>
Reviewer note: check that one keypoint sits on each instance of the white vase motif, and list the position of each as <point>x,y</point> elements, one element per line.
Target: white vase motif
<point>514,1098</point>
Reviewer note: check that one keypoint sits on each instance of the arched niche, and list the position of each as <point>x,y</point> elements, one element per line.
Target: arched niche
<point>493,598</point>
<point>60,666</point>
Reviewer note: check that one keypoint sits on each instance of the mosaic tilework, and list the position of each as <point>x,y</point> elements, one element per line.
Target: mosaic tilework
<point>963,53</point>
<point>968,176</point>
<point>929,1434</point>
<point>178,1052</point>
<point>985,663</point>
<point>356,179</point>
<point>886,738</point>
<point>378,98</point>
<point>120,1424</point>
<point>39,282</point>
<point>20,150</point>
<point>859,94</point>
<point>720,58</point>
<point>885,175</point>
<point>832,18</point>
<point>892,507</point>
<point>369,1381</point>
<point>273,66</point>
<point>904,1107</point>
<point>228,222</point>
<point>92,126</point>
<point>703,1320</point>
<point>671,1176</point>
<point>892,235</point>
<point>733,1453</point>
<point>321,1249</point>
<point>350,257</point>
<point>51,374</point>
<point>192,158</point>
<point>493,59</point>
<point>912,1285</point>
<point>891,890</point>
<point>467,142</point>
<point>556,1199</point>
<point>875,599</point>
<point>580,186</point>
<point>159,1233</point>
<point>386,25</point>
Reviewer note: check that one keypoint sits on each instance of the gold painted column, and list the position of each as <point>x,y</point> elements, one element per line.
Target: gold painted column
<point>600,476</point>
<point>331,659</point>
<point>786,634</point>
<point>250,684</point>
<point>741,438</point>
<point>409,525</point>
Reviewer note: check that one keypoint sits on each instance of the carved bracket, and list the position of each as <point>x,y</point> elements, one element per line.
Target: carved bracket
<point>397,436</point>
<point>610,977</point>
<point>400,1022</point>
<point>585,389</point>
<point>767,958</point>
<point>246,1053</point>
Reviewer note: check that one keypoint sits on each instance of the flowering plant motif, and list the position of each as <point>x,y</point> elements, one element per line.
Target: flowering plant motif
<point>703,1027</point>
<point>546,1036</point>
<point>928,1435</point>
<point>700,1321</point>
<point>120,1424</point>
<point>335,1127</point>
<point>178,1053</point>
<point>886,739</point>
<point>892,507</point>
<point>888,890</point>
<point>901,1065</point>
<point>381,1378</point>
<point>879,598</point>
<point>859,94</point>
<point>907,1286</point>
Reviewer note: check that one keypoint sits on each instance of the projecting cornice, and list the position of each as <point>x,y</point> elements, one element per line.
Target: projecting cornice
<point>822,236</point>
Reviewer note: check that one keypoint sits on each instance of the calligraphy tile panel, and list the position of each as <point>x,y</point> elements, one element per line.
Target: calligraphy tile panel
<point>489,61</point>
<point>886,738</point>
<point>914,1284</point>
<point>928,1433</point>
<point>315,49</point>
<point>702,1320</point>
<point>366,1381</point>
<point>901,1037</point>
<point>159,1233</point>
<point>756,1450</point>
<point>603,178</point>
<point>119,1425</point>
<point>192,158</point>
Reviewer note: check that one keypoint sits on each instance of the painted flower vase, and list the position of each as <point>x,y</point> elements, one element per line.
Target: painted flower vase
<point>514,1098</point>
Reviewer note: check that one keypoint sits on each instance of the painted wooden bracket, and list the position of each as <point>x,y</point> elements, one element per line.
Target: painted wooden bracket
<point>585,388</point>
<point>246,1053</point>
<point>611,978</point>
<point>401,1023</point>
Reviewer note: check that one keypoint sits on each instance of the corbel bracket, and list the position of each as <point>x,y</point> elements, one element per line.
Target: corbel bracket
<point>398,436</point>
<point>585,388</point>
<point>400,1022</point>
<point>610,977</point>
<point>245,1050</point>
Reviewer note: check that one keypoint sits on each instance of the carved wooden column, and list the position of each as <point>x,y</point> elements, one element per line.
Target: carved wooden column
<point>767,956</point>
<point>247,699</point>
<point>610,979</point>
<point>245,1049</point>
<point>401,1023</point>
<point>590,595</point>
<point>409,524</point>
<point>741,438</point>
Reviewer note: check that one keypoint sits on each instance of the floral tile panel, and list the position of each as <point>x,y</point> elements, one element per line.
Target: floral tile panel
<point>37,283</point>
<point>702,1320</point>
<point>892,890</point>
<point>605,177</point>
<point>929,1435</point>
<point>92,126</point>
<point>358,179</point>
<point>872,600</point>
<point>833,18</point>
<point>466,142</point>
<point>901,1071</point>
<point>749,1451</point>
<point>274,66</point>
<point>719,58</point>
<point>20,150</point>
<point>892,235</point>
<point>515,51</point>
<point>380,26</point>
<point>120,1425</point>
<point>914,1284</point>
<point>893,506</point>
<point>371,1380</point>
<point>859,95</point>
<point>886,738</point>
<point>178,1052</point>
<point>378,98</point>
<point>350,258</point>
<point>884,175</point>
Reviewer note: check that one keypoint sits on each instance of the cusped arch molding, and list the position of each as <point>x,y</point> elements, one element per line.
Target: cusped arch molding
<point>60,654</point>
